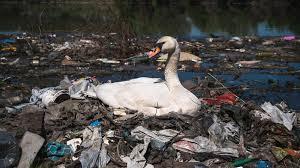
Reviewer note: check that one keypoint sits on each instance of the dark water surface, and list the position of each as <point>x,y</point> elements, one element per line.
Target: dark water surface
<point>188,19</point>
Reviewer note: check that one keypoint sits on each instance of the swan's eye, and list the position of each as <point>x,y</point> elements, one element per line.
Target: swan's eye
<point>159,45</point>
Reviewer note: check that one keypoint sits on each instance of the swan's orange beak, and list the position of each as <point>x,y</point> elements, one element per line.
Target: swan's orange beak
<point>154,52</point>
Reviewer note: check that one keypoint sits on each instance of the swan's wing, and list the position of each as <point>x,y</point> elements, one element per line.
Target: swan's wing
<point>145,80</point>
<point>132,95</point>
<point>139,80</point>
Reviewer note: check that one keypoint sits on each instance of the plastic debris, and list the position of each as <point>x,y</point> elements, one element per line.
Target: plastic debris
<point>220,133</point>
<point>288,38</point>
<point>158,138</point>
<point>56,150</point>
<point>293,153</point>
<point>31,144</point>
<point>13,49</point>
<point>268,42</point>
<point>96,153</point>
<point>247,63</point>
<point>203,145</point>
<point>68,61</point>
<point>281,153</point>
<point>86,41</point>
<point>83,88</point>
<point>119,112</point>
<point>227,98</point>
<point>242,162</point>
<point>263,164</point>
<point>282,116</point>
<point>138,58</point>
<point>95,123</point>
<point>65,46</point>
<point>44,97</point>
<point>107,61</point>
<point>235,38</point>
<point>136,158</point>
<point>9,150</point>
<point>210,162</point>
<point>74,143</point>
<point>219,143</point>
<point>16,61</point>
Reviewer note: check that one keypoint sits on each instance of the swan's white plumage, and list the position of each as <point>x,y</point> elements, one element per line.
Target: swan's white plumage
<point>152,96</point>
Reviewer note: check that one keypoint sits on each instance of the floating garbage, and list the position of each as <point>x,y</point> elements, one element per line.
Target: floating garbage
<point>288,38</point>
<point>247,63</point>
<point>105,60</point>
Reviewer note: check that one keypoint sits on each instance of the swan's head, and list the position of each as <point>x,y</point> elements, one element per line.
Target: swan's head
<point>165,45</point>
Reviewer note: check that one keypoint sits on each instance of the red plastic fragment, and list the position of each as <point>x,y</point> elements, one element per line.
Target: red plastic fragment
<point>227,98</point>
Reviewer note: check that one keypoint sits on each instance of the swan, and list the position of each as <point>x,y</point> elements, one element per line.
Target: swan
<point>153,96</point>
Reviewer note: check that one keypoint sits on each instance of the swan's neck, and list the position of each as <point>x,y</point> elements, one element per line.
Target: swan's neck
<point>171,75</point>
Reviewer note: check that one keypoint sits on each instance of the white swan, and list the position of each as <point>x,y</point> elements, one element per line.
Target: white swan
<point>153,96</point>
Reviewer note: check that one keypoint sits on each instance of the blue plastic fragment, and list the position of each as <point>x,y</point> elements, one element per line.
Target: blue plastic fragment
<point>263,164</point>
<point>95,123</point>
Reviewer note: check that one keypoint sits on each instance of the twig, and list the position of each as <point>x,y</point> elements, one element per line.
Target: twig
<point>40,19</point>
<point>226,87</point>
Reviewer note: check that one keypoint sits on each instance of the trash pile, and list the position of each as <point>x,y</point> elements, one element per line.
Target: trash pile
<point>62,124</point>
<point>65,126</point>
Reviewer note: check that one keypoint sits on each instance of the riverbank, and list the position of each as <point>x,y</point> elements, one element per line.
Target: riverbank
<point>235,78</point>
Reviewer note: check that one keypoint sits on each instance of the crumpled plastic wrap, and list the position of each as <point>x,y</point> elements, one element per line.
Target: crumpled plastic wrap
<point>82,88</point>
<point>158,138</point>
<point>218,142</point>
<point>136,158</point>
<point>203,145</point>
<point>281,116</point>
<point>96,153</point>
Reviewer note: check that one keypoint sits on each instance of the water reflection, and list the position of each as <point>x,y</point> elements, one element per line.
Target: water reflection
<point>183,18</point>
